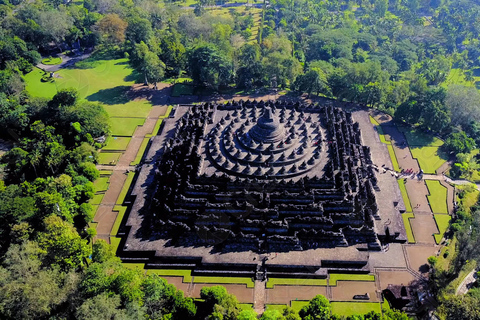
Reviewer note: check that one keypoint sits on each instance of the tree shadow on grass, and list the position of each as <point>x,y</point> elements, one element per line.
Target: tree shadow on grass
<point>116,95</point>
<point>134,76</point>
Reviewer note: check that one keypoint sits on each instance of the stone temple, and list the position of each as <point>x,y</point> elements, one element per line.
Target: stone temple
<point>225,185</point>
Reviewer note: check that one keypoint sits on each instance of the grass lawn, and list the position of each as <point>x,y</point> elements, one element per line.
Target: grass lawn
<point>406,199</point>
<point>457,76</point>
<point>271,282</point>
<point>52,61</point>
<point>351,308</point>
<point>106,172</point>
<point>108,158</point>
<point>96,199</point>
<point>130,109</point>
<point>429,158</point>
<point>438,196</point>
<point>115,242</point>
<point>408,227</point>
<point>118,220</point>
<point>101,184</point>
<point>298,305</point>
<point>125,126</point>
<point>117,143</point>
<point>99,80</point>
<point>36,88</point>
<point>442,221</point>
<point>278,307</point>
<point>180,89</point>
<point>134,265</point>
<point>443,262</point>
<point>141,151</point>
<point>418,138</point>
<point>393,157</point>
<point>126,186</point>
<point>246,306</point>
<point>334,277</point>
<point>224,280</point>
<point>186,274</point>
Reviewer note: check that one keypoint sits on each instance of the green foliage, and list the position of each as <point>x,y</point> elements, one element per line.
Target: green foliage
<point>209,67</point>
<point>220,303</point>
<point>458,142</point>
<point>318,308</point>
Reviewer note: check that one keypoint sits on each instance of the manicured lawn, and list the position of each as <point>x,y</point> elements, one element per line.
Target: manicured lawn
<point>182,89</point>
<point>106,172</point>
<point>351,308</point>
<point>141,151</point>
<point>101,184</point>
<point>108,158</point>
<point>438,196</point>
<point>429,158</point>
<point>134,265</point>
<point>186,274</point>
<point>457,76</point>
<point>393,157</point>
<point>334,277</point>
<point>298,305</point>
<point>246,306</point>
<point>97,81</point>
<point>130,109</point>
<point>36,88</point>
<point>418,138</point>
<point>115,242</point>
<point>121,213</point>
<point>408,227</point>
<point>126,186</point>
<point>125,126</point>
<point>278,307</point>
<point>443,221</point>
<point>52,61</point>
<point>406,199</point>
<point>117,143</point>
<point>96,199</point>
<point>224,280</point>
<point>295,282</point>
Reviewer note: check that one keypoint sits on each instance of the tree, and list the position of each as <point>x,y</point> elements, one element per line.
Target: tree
<point>315,80</point>
<point>148,63</point>
<point>208,67</point>
<point>62,244</point>
<point>318,308</point>
<point>64,97</point>
<point>458,142</point>
<point>464,104</point>
<point>138,30</point>
<point>55,25</point>
<point>220,303</point>
<point>112,29</point>
<point>103,307</point>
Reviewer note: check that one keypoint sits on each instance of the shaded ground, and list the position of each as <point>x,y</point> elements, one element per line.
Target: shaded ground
<point>345,290</point>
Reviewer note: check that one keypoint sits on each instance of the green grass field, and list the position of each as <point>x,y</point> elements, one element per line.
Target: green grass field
<point>298,305</point>
<point>334,277</point>
<point>97,81</point>
<point>101,184</point>
<point>246,306</point>
<point>442,221</point>
<point>140,266</point>
<point>180,89</point>
<point>438,196</point>
<point>225,280</point>
<point>408,227</point>
<point>429,158</point>
<point>96,199</point>
<point>116,143</point>
<point>52,61</point>
<point>121,213</point>
<point>130,109</point>
<point>126,186</point>
<point>125,126</point>
<point>108,158</point>
<point>418,138</point>
<point>350,308</point>
<point>186,274</point>
<point>140,152</point>
<point>271,282</point>
<point>393,157</point>
<point>278,307</point>
<point>457,76</point>
<point>406,199</point>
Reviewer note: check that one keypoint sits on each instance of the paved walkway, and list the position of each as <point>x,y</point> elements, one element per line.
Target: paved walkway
<point>66,62</point>
<point>466,283</point>
<point>105,216</point>
<point>259,298</point>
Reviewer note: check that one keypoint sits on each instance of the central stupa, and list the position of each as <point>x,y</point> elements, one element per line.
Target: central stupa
<point>266,143</point>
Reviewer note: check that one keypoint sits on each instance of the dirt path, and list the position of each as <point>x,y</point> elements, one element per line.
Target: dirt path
<point>466,283</point>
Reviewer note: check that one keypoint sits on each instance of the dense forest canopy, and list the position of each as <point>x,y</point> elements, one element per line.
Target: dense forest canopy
<point>395,55</point>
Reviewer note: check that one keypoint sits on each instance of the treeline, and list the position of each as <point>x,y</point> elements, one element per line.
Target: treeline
<point>37,285</point>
